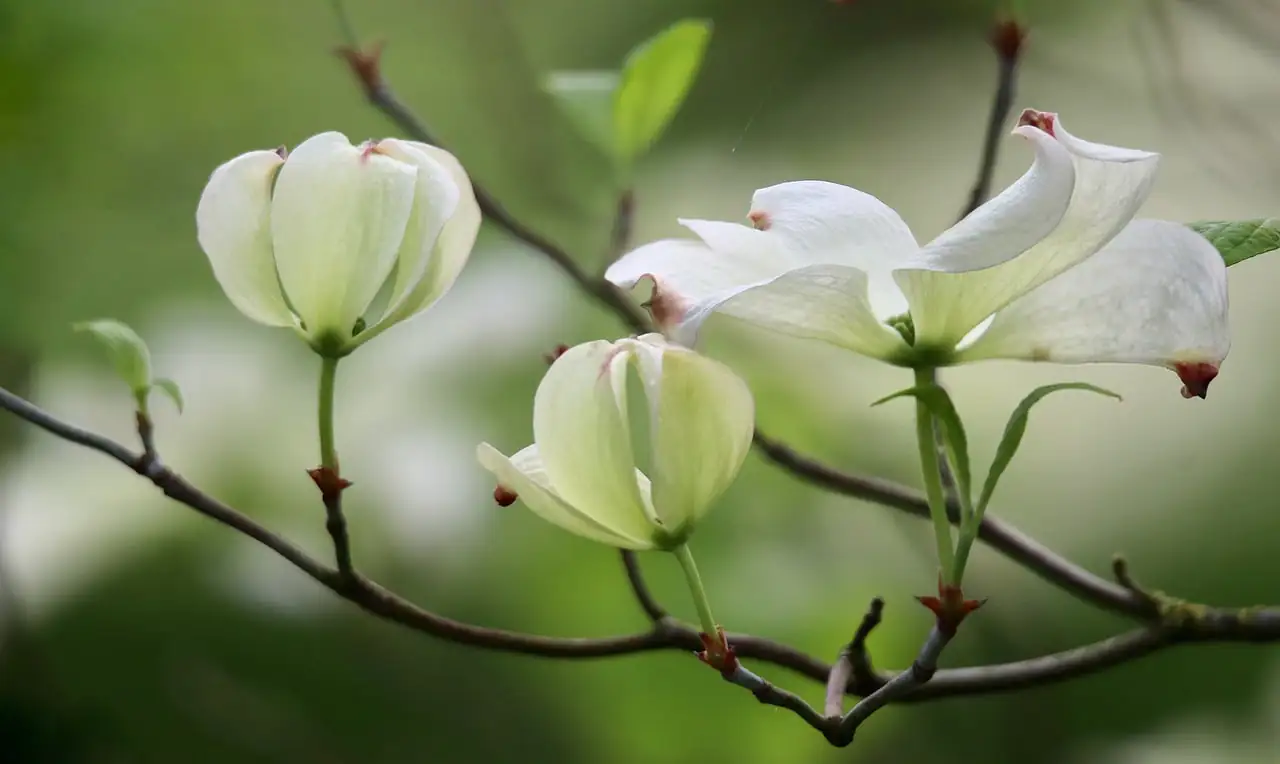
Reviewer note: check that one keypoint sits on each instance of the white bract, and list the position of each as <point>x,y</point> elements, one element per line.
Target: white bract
<point>308,240</point>
<point>581,473</point>
<point>1054,268</point>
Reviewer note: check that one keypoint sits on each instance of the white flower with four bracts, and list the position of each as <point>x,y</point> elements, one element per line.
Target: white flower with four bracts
<point>310,239</point>
<point>581,472</point>
<point>1055,268</point>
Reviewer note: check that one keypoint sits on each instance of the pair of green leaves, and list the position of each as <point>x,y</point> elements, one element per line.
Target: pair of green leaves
<point>956,444</point>
<point>132,360</point>
<point>624,112</point>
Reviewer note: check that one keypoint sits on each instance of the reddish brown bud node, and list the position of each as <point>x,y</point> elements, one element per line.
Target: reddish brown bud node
<point>365,64</point>
<point>1008,38</point>
<point>949,607</point>
<point>717,653</point>
<point>504,497</point>
<point>1043,120</point>
<point>328,481</point>
<point>1195,378</point>
<point>554,355</point>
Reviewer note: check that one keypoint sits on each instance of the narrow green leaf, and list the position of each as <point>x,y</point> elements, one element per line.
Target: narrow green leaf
<point>656,78</point>
<point>1016,428</point>
<point>587,99</point>
<point>1239,240</point>
<point>170,388</point>
<point>944,410</point>
<point>125,348</point>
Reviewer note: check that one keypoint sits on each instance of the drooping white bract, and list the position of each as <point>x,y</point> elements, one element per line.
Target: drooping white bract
<point>1055,268</point>
<point>580,473</point>
<point>309,239</point>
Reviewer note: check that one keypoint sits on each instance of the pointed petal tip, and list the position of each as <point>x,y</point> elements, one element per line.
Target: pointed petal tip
<point>1041,120</point>
<point>1196,378</point>
<point>503,496</point>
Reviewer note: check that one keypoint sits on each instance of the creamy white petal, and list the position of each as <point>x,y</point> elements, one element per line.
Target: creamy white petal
<point>703,418</point>
<point>829,303</point>
<point>1111,183</point>
<point>233,225</point>
<point>685,273</point>
<point>435,199</point>
<point>581,431</point>
<point>524,474</point>
<point>337,219</point>
<point>1156,294</point>
<point>454,244</point>
<point>997,232</point>
<point>796,225</point>
<point>819,222</point>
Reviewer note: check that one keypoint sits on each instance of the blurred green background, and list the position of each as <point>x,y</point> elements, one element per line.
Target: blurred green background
<point>135,631</point>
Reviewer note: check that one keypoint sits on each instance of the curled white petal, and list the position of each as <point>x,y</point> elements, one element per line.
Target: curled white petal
<point>1156,294</point>
<point>338,216</point>
<point>525,475</point>
<point>453,245</point>
<point>1110,184</point>
<point>579,424</point>
<point>233,226</point>
<point>996,233</point>
<point>702,421</point>
<point>435,200</point>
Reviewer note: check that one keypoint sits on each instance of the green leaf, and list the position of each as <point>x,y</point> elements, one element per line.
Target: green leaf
<point>656,78</point>
<point>170,388</point>
<point>587,98</point>
<point>957,444</point>
<point>1016,428</point>
<point>126,349</point>
<point>1239,240</point>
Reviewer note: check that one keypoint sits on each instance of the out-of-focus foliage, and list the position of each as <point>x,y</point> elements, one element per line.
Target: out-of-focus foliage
<point>149,634</point>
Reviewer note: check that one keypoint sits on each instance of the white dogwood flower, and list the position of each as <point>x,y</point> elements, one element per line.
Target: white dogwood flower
<point>309,239</point>
<point>581,471</point>
<point>1055,268</point>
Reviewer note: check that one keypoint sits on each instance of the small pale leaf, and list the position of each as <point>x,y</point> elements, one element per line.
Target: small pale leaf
<point>586,98</point>
<point>1017,427</point>
<point>170,388</point>
<point>957,444</point>
<point>125,348</point>
<point>1239,240</point>
<point>656,78</point>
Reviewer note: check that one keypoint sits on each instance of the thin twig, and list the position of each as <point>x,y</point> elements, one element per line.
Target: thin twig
<point>772,695</point>
<point>1006,40</point>
<point>1190,624</point>
<point>640,589</point>
<point>853,661</point>
<point>922,670</point>
<point>336,524</point>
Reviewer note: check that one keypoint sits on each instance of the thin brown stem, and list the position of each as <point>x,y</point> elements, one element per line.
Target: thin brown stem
<point>648,603</point>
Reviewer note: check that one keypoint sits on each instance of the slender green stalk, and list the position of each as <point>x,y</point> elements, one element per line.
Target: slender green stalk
<point>700,601</point>
<point>932,471</point>
<point>328,374</point>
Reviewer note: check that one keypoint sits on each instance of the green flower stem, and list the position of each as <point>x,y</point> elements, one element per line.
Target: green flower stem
<point>700,601</point>
<point>932,471</point>
<point>328,374</point>
<point>968,534</point>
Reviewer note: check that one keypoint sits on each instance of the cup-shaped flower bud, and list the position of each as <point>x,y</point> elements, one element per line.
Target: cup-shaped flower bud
<point>310,239</point>
<point>581,472</point>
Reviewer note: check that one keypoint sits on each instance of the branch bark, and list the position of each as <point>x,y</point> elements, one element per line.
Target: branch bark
<point>1174,623</point>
